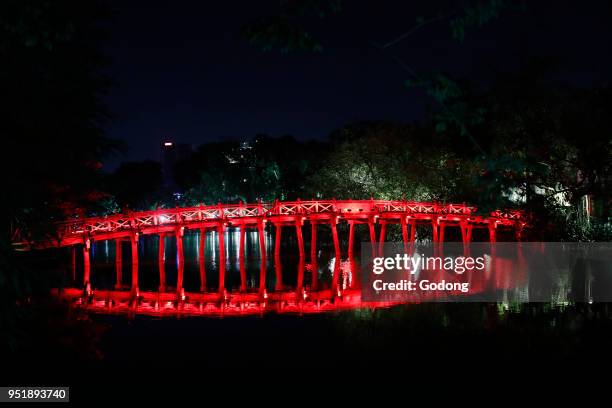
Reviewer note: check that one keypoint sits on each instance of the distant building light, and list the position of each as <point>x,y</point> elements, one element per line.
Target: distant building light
<point>167,143</point>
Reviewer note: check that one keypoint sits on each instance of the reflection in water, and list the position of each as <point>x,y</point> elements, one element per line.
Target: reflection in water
<point>301,284</point>
<point>281,272</point>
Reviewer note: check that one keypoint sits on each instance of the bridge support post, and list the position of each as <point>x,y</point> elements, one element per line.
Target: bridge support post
<point>434,226</point>
<point>338,256</point>
<point>86,265</point>
<point>134,242</point>
<point>372,236</point>
<point>313,242</point>
<point>278,270</point>
<point>351,239</point>
<point>277,261</point>
<point>180,260</point>
<point>277,239</point>
<point>404,233</point>
<point>492,235</point>
<point>313,256</point>
<point>300,238</point>
<point>381,239</point>
<point>161,262</point>
<point>221,233</point>
<point>518,232</point>
<point>412,236</point>
<point>201,259</point>
<point>243,284</point>
<point>300,280</point>
<point>118,263</point>
<point>466,235</point>
<point>441,233</point>
<point>262,256</point>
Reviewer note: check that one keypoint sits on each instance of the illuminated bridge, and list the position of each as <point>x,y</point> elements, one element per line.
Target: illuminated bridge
<point>78,234</point>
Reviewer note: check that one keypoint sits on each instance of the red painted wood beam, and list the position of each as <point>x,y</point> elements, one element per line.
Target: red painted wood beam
<point>118,263</point>
<point>241,249</point>
<point>202,259</point>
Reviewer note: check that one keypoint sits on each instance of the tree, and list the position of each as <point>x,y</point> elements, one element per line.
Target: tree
<point>53,141</point>
<point>387,161</point>
<point>263,168</point>
<point>136,185</point>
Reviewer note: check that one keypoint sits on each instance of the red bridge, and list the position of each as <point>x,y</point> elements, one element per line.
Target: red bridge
<point>173,222</point>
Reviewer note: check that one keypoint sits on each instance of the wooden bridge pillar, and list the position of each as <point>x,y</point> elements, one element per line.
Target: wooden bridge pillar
<point>300,238</point>
<point>180,259</point>
<point>277,239</point>
<point>492,235</point>
<point>134,242</point>
<point>86,265</point>
<point>338,256</point>
<point>434,229</point>
<point>351,239</point>
<point>313,256</point>
<point>262,256</point>
<point>201,259</point>
<point>278,270</point>
<point>466,234</point>
<point>313,241</point>
<point>118,263</point>
<point>161,262</point>
<point>518,232</point>
<point>243,283</point>
<point>404,233</point>
<point>221,234</point>
<point>441,232</point>
<point>300,280</point>
<point>372,236</point>
<point>277,261</point>
<point>381,239</point>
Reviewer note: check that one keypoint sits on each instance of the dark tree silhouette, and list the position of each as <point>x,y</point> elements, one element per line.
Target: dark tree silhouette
<point>51,132</point>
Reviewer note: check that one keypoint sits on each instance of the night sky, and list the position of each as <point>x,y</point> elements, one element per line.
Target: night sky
<point>183,72</point>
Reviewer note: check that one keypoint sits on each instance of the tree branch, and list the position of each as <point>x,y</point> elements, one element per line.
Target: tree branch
<point>412,31</point>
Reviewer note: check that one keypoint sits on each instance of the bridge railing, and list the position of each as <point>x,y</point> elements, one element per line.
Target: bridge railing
<point>177,216</point>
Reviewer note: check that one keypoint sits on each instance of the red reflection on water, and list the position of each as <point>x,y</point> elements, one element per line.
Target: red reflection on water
<point>499,274</point>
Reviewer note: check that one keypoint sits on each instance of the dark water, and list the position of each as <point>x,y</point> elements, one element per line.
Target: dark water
<point>117,358</point>
<point>551,275</point>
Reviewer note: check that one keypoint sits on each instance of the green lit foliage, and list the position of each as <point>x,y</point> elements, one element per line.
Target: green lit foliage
<point>386,161</point>
<point>476,14</point>
<point>284,31</point>
<point>560,137</point>
<point>277,32</point>
<point>453,101</point>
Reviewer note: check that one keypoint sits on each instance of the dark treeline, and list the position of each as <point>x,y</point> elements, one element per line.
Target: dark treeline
<point>532,145</point>
<point>51,127</point>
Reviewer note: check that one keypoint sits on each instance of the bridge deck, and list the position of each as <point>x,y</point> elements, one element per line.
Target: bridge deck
<point>77,231</point>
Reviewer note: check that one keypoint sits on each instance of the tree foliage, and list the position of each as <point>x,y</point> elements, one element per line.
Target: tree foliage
<point>52,144</point>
